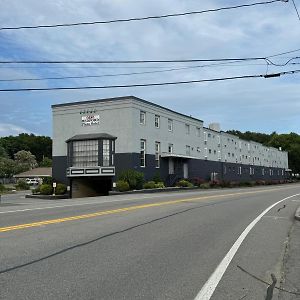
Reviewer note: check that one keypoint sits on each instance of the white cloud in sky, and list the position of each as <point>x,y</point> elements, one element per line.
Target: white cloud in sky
<point>7,129</point>
<point>259,104</point>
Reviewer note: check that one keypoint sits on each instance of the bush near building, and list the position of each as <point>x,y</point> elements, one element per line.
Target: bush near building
<point>60,189</point>
<point>22,185</point>
<point>153,185</point>
<point>46,189</point>
<point>134,178</point>
<point>184,183</point>
<point>122,186</point>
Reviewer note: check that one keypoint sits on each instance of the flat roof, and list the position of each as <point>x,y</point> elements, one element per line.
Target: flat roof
<point>123,98</point>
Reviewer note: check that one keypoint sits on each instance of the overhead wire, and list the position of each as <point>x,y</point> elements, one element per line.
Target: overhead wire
<point>129,74</point>
<point>139,73</point>
<point>143,18</point>
<point>296,9</point>
<point>152,84</point>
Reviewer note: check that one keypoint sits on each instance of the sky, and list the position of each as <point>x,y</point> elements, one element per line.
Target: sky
<point>262,105</point>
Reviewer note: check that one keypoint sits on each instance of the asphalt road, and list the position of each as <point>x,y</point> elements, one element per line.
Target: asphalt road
<point>146,246</point>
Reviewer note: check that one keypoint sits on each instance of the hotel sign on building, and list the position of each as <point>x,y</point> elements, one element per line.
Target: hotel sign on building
<point>90,120</point>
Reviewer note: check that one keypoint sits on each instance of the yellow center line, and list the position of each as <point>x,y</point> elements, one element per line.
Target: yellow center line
<point>125,209</point>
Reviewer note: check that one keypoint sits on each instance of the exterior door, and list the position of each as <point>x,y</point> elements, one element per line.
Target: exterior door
<point>171,166</point>
<point>185,170</point>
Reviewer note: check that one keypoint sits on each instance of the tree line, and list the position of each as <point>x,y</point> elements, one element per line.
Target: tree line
<point>289,142</point>
<point>24,152</point>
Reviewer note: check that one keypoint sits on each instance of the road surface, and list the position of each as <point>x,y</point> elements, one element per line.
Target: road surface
<point>175,245</point>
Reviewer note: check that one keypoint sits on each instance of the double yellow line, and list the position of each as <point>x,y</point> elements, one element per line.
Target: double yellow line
<point>124,209</point>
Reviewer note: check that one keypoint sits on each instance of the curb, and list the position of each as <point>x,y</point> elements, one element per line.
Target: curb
<point>297,214</point>
<point>47,197</point>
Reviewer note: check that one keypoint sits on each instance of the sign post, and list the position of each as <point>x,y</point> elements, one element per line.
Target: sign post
<point>54,187</point>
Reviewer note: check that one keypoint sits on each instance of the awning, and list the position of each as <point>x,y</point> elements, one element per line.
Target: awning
<point>166,154</point>
<point>91,136</point>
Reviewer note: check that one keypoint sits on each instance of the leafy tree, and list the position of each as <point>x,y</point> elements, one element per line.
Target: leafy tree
<point>46,162</point>
<point>3,152</point>
<point>7,167</point>
<point>40,146</point>
<point>25,160</point>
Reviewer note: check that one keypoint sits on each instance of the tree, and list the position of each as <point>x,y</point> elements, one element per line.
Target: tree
<point>40,146</point>
<point>7,167</point>
<point>46,162</point>
<point>3,152</point>
<point>25,160</point>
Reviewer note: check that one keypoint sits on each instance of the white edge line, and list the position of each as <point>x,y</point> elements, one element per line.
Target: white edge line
<point>209,287</point>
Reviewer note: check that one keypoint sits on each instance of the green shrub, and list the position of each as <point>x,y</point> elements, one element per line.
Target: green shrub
<point>48,180</point>
<point>156,178</point>
<point>60,189</point>
<point>122,186</point>
<point>149,185</point>
<point>36,190</point>
<point>46,189</point>
<point>159,185</point>
<point>184,183</point>
<point>134,178</point>
<point>204,185</point>
<point>22,185</point>
<point>2,188</point>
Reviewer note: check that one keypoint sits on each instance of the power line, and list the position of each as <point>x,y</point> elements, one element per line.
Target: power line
<point>127,61</point>
<point>129,74</point>
<point>137,73</point>
<point>283,53</point>
<point>144,18</point>
<point>296,9</point>
<point>151,84</point>
<point>144,61</point>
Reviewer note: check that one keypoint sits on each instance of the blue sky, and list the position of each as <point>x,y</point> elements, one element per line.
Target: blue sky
<point>263,105</point>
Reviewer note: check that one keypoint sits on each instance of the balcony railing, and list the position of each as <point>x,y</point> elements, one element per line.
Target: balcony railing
<point>90,171</point>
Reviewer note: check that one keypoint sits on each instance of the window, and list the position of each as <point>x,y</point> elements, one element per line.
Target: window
<point>205,136</point>
<point>85,153</point>
<point>205,152</point>
<point>215,151</point>
<point>209,135</point>
<point>187,128</point>
<point>209,151</point>
<point>219,155</point>
<point>170,148</point>
<point>240,170</point>
<point>219,140</point>
<point>188,150</point>
<point>263,172</point>
<point>198,131</point>
<point>157,121</point>
<point>157,154</point>
<point>142,117</point>
<point>106,153</point>
<point>143,153</point>
<point>170,125</point>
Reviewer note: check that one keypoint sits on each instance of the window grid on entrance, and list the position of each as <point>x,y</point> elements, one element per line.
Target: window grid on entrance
<point>143,153</point>
<point>106,152</point>
<point>157,154</point>
<point>85,153</point>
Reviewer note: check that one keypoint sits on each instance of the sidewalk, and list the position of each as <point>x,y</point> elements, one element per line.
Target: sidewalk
<point>291,276</point>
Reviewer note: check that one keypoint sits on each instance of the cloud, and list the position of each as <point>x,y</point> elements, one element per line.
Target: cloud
<point>7,129</point>
<point>258,104</point>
